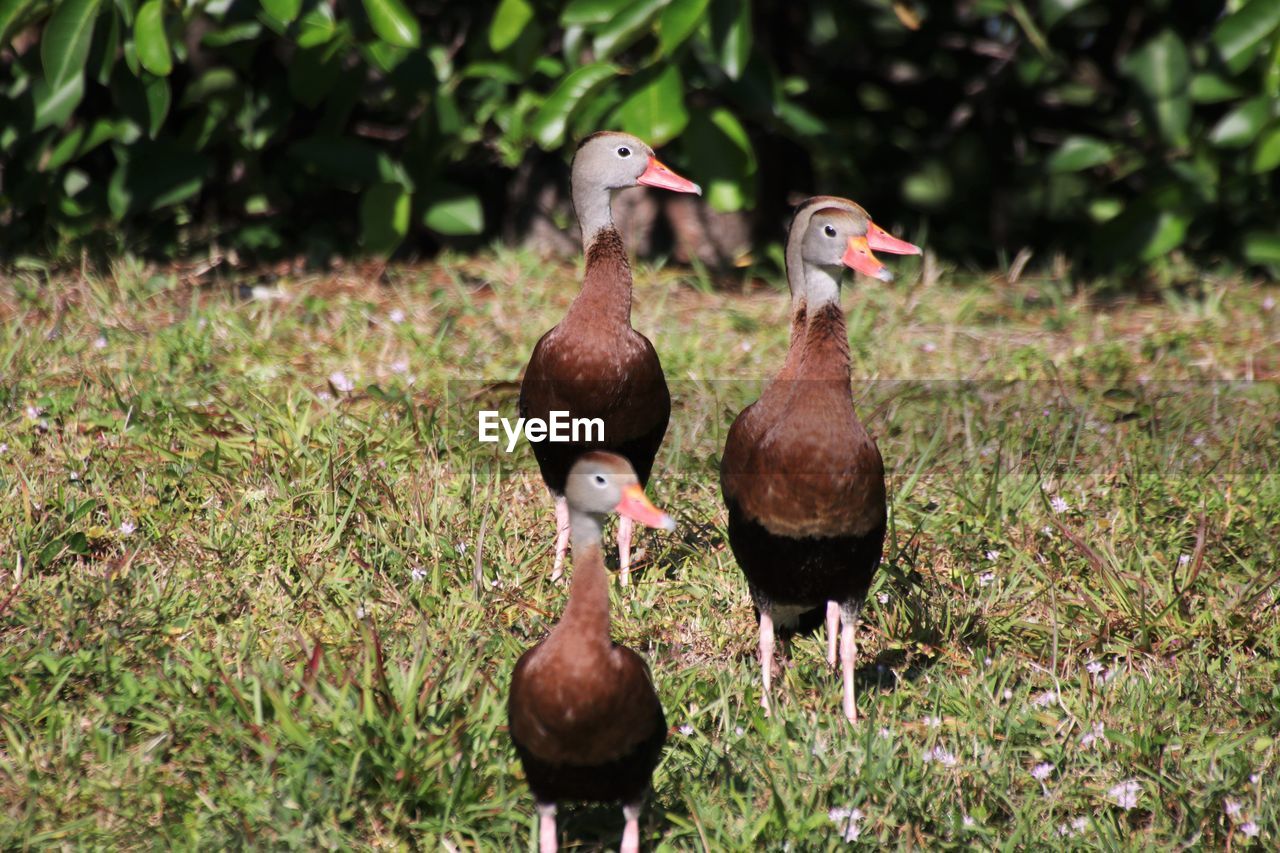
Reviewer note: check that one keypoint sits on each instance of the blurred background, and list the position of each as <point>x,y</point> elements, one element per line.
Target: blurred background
<point>1139,141</point>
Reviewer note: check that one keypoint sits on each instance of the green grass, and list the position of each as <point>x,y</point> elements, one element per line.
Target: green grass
<point>306,639</point>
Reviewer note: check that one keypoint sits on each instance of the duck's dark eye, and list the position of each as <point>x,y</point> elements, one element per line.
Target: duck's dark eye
<point>624,151</point>
<point>830,231</point>
<point>599,480</point>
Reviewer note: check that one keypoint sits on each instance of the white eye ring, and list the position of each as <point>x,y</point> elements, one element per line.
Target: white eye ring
<point>599,480</point>
<point>624,151</point>
<point>830,230</point>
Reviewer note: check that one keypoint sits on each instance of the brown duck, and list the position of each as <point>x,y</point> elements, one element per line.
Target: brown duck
<point>802,479</point>
<point>593,364</point>
<point>582,711</point>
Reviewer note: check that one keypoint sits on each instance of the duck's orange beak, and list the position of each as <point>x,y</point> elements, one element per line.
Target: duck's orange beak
<point>880,240</point>
<point>857,256</point>
<point>635,506</point>
<point>658,175</point>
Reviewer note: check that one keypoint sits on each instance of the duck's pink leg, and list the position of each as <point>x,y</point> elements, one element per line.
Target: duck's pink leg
<point>833,631</point>
<point>562,536</point>
<point>847,654</point>
<point>766,658</point>
<point>547,842</point>
<point>631,834</point>
<point>625,527</point>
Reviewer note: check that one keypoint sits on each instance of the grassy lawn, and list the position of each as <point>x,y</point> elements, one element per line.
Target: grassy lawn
<point>260,585</point>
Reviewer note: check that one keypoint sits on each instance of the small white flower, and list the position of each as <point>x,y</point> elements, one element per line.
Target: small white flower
<point>986,578</point>
<point>885,733</point>
<point>933,722</point>
<point>127,527</point>
<point>929,346</point>
<point>395,315</point>
<point>100,342</point>
<point>993,555</point>
<point>1042,771</point>
<point>986,661</point>
<point>418,574</point>
<point>254,496</point>
<point>883,598</point>
<point>969,822</point>
<point>1094,667</point>
<point>686,730</point>
<point>74,476</point>
<point>341,382</point>
<point>4,447</point>
<point>1233,808</point>
<point>1250,829</point>
<point>1183,559</point>
<point>1079,823</point>
<point>942,755</point>
<point>739,731</point>
<point>361,612</point>
<point>33,412</point>
<point>1059,505</point>
<point>1268,303</point>
<point>848,820</point>
<point>1254,778</point>
<point>1045,699</point>
<point>1125,794</point>
<point>1047,531</point>
<point>1008,694</point>
<point>462,547</point>
<point>400,366</point>
<point>324,396</point>
<point>1064,830</point>
<point>1096,735</point>
<point>745,346</point>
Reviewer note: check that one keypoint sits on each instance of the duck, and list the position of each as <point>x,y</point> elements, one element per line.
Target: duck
<point>593,364</point>
<point>582,711</point>
<point>801,478</point>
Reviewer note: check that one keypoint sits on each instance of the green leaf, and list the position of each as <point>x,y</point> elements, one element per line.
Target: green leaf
<point>720,153</point>
<point>655,111</point>
<point>586,12</point>
<point>1240,127</point>
<point>283,11</point>
<point>1239,36</point>
<point>151,40</point>
<point>317,26</point>
<point>1077,153</point>
<point>393,23</point>
<point>155,175</point>
<point>1052,11</point>
<point>548,127</point>
<point>54,106</point>
<point>63,152</point>
<point>1210,88</point>
<point>110,48</point>
<point>508,23</point>
<point>1262,247</point>
<point>1266,153</point>
<point>630,24</point>
<point>679,20</point>
<point>1161,66</point>
<point>384,217</point>
<point>64,44</point>
<point>454,212</point>
<point>731,34</point>
<point>156,91</point>
<point>12,11</point>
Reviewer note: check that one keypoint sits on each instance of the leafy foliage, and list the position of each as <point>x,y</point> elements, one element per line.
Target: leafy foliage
<point>1114,132</point>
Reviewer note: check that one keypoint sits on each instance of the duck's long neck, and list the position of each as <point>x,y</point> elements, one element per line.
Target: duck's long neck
<point>586,618</point>
<point>606,284</point>
<point>825,352</point>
